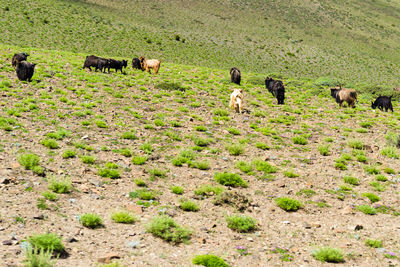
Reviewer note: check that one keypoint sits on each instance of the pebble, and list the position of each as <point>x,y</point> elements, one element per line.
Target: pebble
<point>225,158</point>
<point>72,240</point>
<point>307,225</point>
<point>7,242</point>
<point>358,227</point>
<point>286,222</point>
<point>38,217</point>
<point>72,200</point>
<point>133,244</point>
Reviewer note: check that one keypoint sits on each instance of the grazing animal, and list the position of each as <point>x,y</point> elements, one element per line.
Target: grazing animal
<point>236,101</point>
<point>136,64</point>
<point>18,58</point>
<point>117,65</point>
<point>276,88</point>
<point>344,94</point>
<point>235,75</point>
<point>25,70</point>
<point>148,64</point>
<point>383,102</point>
<point>97,62</point>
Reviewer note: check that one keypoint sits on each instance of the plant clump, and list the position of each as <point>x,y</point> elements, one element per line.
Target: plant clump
<point>166,228</point>
<point>288,204</point>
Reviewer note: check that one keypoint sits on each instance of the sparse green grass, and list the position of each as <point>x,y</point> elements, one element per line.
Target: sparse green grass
<point>230,179</point>
<point>288,204</point>
<point>390,152</point>
<point>166,228</point>
<point>206,190</point>
<point>50,195</point>
<point>209,260</point>
<point>129,136</point>
<point>356,144</point>
<point>366,209</point>
<point>299,140</point>
<point>373,243</point>
<point>123,217</point>
<point>88,159</point>
<point>109,173</point>
<point>290,174</point>
<point>371,169</point>
<point>351,180</point>
<point>328,254</point>
<point>241,223</point>
<point>324,150</point>
<point>67,154</point>
<point>50,143</point>
<point>139,160</point>
<point>177,190</point>
<point>38,258</point>
<point>91,220</point>
<point>262,146</point>
<point>235,149</point>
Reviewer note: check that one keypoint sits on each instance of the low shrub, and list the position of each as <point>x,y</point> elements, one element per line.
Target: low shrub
<point>328,254</point>
<point>123,217</point>
<point>91,220</point>
<point>209,260</point>
<point>177,190</point>
<point>61,186</point>
<point>46,242</point>
<point>288,204</point>
<point>241,223</point>
<point>230,179</point>
<point>351,180</point>
<point>373,243</point>
<point>188,205</point>
<point>67,154</point>
<point>372,197</point>
<point>166,228</point>
<point>366,209</point>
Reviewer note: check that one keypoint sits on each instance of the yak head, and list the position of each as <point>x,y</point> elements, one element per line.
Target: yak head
<point>334,92</point>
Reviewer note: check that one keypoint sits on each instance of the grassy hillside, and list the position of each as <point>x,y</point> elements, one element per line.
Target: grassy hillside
<point>356,42</point>
<point>75,142</point>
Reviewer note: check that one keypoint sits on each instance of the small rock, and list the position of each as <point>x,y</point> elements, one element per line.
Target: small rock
<point>133,244</point>
<point>316,225</point>
<point>358,227</point>
<point>250,239</point>
<point>7,242</point>
<point>85,137</point>
<point>225,158</point>
<point>108,257</point>
<point>286,222</point>
<point>4,180</point>
<point>72,200</point>
<point>307,225</point>
<point>38,217</point>
<point>72,240</point>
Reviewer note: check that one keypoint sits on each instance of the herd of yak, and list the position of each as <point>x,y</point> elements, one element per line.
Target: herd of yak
<point>25,71</point>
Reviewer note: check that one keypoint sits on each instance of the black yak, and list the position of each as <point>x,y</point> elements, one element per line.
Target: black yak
<point>117,65</point>
<point>344,94</point>
<point>383,102</point>
<point>25,70</point>
<point>18,58</point>
<point>276,88</point>
<point>235,75</point>
<point>97,62</point>
<point>136,64</point>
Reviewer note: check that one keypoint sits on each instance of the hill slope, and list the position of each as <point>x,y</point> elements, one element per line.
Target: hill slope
<point>123,141</point>
<point>354,41</point>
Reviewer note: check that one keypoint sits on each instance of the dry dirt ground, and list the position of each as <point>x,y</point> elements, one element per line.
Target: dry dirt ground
<point>307,111</point>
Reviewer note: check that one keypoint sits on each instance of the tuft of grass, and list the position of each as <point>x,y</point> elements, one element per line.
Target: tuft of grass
<point>244,167</point>
<point>262,146</point>
<point>91,220</point>
<point>381,178</point>
<point>299,140</point>
<point>288,204</point>
<point>46,242</point>
<point>209,260</point>
<point>129,136</point>
<point>200,128</point>
<point>50,143</point>
<point>306,192</point>
<point>88,159</point>
<point>123,217</point>
<point>29,161</point>
<point>241,223</point>
<point>139,182</point>
<point>373,243</point>
<point>230,179</point>
<point>177,190</point>
<point>38,258</point>
<point>206,190</point>
<point>62,186</point>
<point>290,174</point>
<point>261,165</point>
<point>324,150</point>
<point>356,144</point>
<point>390,152</point>
<point>188,205</point>
<point>139,160</point>
<point>371,169</point>
<point>69,153</point>
<point>328,254</point>
<point>233,131</point>
<point>235,149</point>
<point>366,209</point>
<point>109,173</point>
<point>50,196</point>
<point>351,180</point>
<point>166,228</point>
<point>101,124</point>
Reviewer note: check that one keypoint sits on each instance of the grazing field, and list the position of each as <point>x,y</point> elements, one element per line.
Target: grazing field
<point>157,171</point>
<point>355,42</point>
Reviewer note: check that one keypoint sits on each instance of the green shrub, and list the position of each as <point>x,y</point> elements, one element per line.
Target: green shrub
<point>38,258</point>
<point>299,140</point>
<point>46,242</point>
<point>159,122</point>
<point>201,165</point>
<point>230,179</point>
<point>188,205</point>
<point>146,194</point>
<point>373,243</point>
<point>157,173</point>
<point>244,167</point>
<point>29,161</point>
<point>61,186</point>
<point>101,124</point>
<point>262,146</point>
<point>109,173</point>
<point>91,220</point>
<point>328,254</point>
<point>381,178</point>
<point>261,165</point>
<point>123,217</point>
<point>235,150</point>
<point>351,180</point>
<point>389,170</point>
<point>50,143</point>
<point>390,152</point>
<point>324,150</point>
<point>166,228</point>
<point>177,190</point>
<point>140,182</point>
<point>147,148</point>
<point>209,260</point>
<point>366,209</point>
<point>377,186</point>
<point>234,131</point>
<point>88,159</point>
<point>129,136</point>
<point>241,223</point>
<point>200,128</point>
<point>126,152</point>
<point>393,139</point>
<point>139,160</point>
<point>67,154</point>
<point>59,135</point>
<point>220,112</point>
<point>371,170</point>
<point>356,144</point>
<point>306,192</point>
<point>288,204</point>
<point>290,174</point>
<point>50,195</point>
